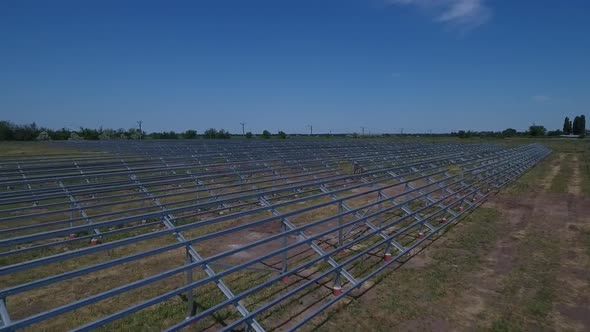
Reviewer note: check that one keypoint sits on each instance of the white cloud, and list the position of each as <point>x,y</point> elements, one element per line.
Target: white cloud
<point>545,98</point>
<point>468,13</point>
<point>541,98</point>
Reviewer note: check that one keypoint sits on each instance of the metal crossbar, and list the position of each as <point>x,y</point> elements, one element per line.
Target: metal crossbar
<point>314,214</point>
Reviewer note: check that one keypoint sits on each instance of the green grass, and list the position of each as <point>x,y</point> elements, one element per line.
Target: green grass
<point>528,292</point>
<point>584,161</point>
<point>531,180</point>
<point>560,182</point>
<point>411,293</point>
<point>586,237</point>
<point>23,149</point>
<point>408,293</point>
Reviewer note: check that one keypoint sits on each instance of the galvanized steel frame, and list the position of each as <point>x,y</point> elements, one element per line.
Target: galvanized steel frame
<point>432,184</point>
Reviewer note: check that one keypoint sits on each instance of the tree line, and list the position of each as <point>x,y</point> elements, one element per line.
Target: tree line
<point>30,132</point>
<point>576,127</point>
<point>533,130</point>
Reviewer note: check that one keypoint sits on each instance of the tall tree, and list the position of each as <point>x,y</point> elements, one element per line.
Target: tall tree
<point>582,125</point>
<point>567,126</point>
<point>576,126</point>
<point>6,131</point>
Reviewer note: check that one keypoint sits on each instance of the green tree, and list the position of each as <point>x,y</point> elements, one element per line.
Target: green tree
<point>266,134</point>
<point>6,131</point>
<point>134,133</point>
<point>576,126</point>
<point>282,134</point>
<point>509,132</point>
<point>567,126</point>
<point>535,130</point>
<point>223,134</point>
<point>43,136</point>
<point>106,134</point>
<point>169,135</point>
<point>25,132</point>
<point>582,125</point>
<point>189,134</point>
<point>210,133</point>
<point>62,134</point>
<point>75,137</point>
<point>88,133</point>
<point>249,134</point>
<point>464,134</point>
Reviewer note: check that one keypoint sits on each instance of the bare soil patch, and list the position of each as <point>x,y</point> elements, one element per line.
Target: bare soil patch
<point>561,220</point>
<point>555,167</point>
<point>575,185</point>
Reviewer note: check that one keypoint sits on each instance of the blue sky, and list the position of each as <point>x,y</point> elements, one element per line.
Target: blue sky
<point>420,65</point>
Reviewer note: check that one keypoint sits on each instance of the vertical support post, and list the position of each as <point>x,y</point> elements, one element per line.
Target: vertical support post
<point>284,257</point>
<point>337,289</point>
<point>380,200</point>
<point>443,219</point>
<point>274,179</point>
<point>461,208</point>
<point>4,316</point>
<point>191,309</point>
<point>340,221</point>
<point>198,189</point>
<point>71,214</point>
<point>387,257</point>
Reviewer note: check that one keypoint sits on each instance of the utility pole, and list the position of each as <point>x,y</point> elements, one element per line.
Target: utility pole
<point>243,124</point>
<point>363,129</point>
<point>140,130</point>
<point>310,130</point>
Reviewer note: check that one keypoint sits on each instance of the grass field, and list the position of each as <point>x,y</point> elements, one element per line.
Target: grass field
<point>520,262</point>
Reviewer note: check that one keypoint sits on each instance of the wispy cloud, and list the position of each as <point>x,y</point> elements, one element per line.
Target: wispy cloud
<point>541,98</point>
<point>465,13</point>
<point>545,98</point>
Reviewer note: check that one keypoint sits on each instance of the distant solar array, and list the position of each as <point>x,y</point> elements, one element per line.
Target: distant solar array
<point>224,235</point>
